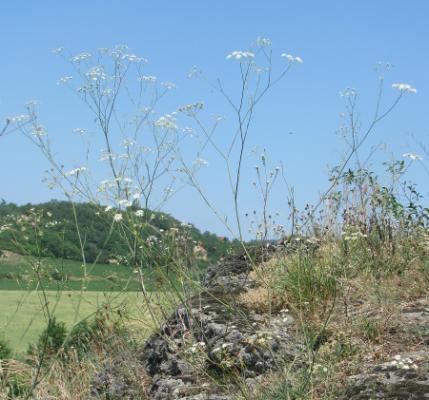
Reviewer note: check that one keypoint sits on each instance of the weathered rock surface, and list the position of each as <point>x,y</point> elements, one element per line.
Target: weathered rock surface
<point>211,338</point>
<point>406,375</point>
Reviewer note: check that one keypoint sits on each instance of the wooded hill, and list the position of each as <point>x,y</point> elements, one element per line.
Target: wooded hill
<point>66,230</point>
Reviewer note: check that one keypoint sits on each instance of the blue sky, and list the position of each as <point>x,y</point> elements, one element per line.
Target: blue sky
<point>340,42</point>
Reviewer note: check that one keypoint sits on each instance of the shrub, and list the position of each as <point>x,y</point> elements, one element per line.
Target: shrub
<point>51,340</point>
<point>5,350</point>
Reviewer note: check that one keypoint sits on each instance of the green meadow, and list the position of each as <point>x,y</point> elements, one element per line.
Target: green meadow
<point>70,292</point>
<point>23,313</point>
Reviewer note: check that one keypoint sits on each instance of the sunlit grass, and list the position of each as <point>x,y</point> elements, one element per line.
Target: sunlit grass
<point>24,317</point>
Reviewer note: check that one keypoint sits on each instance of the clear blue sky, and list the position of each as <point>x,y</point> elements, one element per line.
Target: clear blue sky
<point>340,42</point>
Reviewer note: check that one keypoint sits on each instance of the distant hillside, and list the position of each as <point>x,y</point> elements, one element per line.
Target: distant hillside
<point>50,230</point>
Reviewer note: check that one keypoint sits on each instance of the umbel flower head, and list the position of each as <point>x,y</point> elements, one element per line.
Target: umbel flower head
<point>404,87</point>
<point>240,55</point>
<point>413,156</point>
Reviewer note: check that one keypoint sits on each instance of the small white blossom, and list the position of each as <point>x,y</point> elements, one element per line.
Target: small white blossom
<point>404,87</point>
<point>168,85</point>
<point>292,59</point>
<point>96,74</point>
<point>65,79</point>
<point>260,41</point>
<point>17,119</point>
<point>166,122</point>
<point>139,213</point>
<point>348,92</point>
<point>200,162</point>
<point>240,55</point>
<point>81,57</point>
<point>76,171</point>
<point>117,217</point>
<point>108,208</point>
<point>413,156</point>
<point>39,131</point>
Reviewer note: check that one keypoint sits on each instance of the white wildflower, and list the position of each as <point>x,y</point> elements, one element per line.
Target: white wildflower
<point>348,92</point>
<point>413,156</point>
<point>39,131</point>
<point>81,57</point>
<point>117,217</point>
<point>76,171</point>
<point>292,59</point>
<point>128,142</point>
<point>200,162</point>
<point>96,74</point>
<point>139,213</point>
<point>168,85</point>
<point>65,79</point>
<point>260,41</point>
<point>166,122</point>
<point>17,119</point>
<point>240,55</point>
<point>108,208</point>
<point>404,87</point>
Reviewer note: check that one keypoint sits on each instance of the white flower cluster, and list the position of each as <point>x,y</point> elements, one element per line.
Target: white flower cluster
<point>348,92</point>
<point>139,213</point>
<point>292,59</point>
<point>261,42</point>
<point>404,87</point>
<point>106,156</point>
<point>128,142</point>
<point>199,161</point>
<point>81,57</point>
<point>17,119</point>
<point>76,171</point>
<point>166,122</point>
<point>117,217</point>
<point>133,58</point>
<point>168,85</point>
<point>413,156</point>
<point>240,55</point>
<point>403,363</point>
<point>96,74</point>
<point>196,348</point>
<point>39,131</point>
<point>65,79</point>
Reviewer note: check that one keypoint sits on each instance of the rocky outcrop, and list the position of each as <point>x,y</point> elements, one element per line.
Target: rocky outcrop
<point>211,343</point>
<point>406,374</point>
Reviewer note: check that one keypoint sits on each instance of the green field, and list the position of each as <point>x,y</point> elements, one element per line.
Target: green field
<point>23,272</point>
<point>72,293</point>
<point>22,318</point>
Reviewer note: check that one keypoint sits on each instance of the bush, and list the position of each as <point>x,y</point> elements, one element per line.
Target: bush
<point>51,339</point>
<point>5,350</point>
